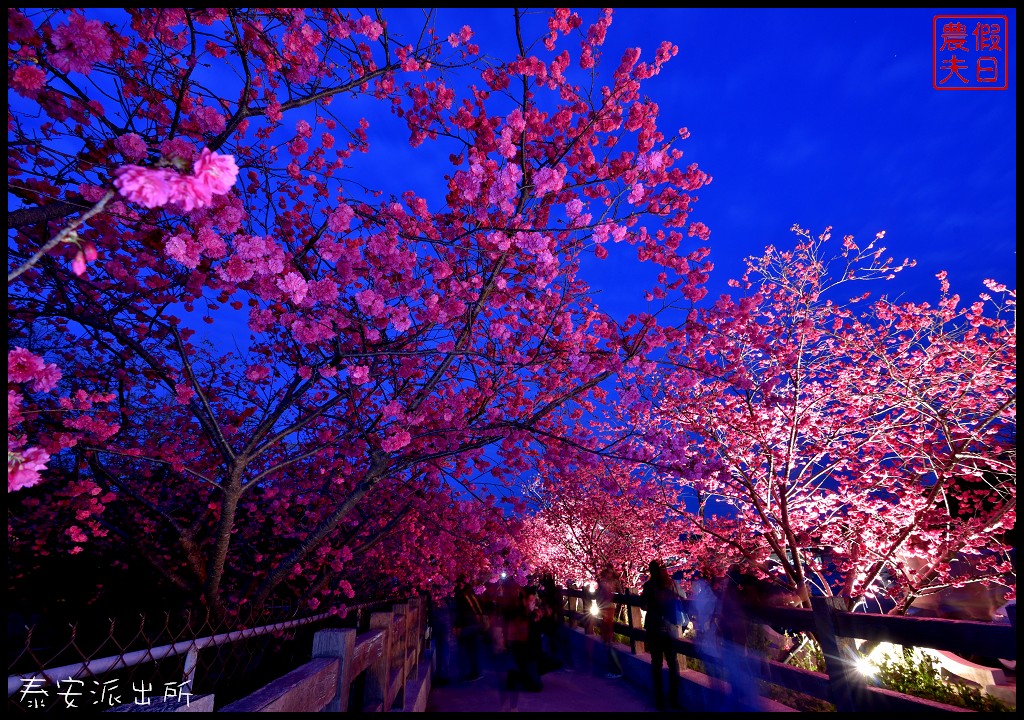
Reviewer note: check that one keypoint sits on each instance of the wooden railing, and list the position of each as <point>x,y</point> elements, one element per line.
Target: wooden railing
<point>379,670</point>
<point>837,633</point>
<point>387,668</point>
<point>384,663</point>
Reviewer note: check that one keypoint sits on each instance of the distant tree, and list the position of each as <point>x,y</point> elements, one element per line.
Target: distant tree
<point>596,513</point>
<point>885,436</point>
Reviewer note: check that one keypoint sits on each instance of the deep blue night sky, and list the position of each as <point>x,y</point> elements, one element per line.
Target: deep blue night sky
<point>810,117</point>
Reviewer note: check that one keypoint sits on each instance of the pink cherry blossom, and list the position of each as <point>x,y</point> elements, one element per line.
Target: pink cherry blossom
<point>183,248</point>
<point>446,327</point>
<point>547,180</point>
<point>19,28</point>
<point>340,220</point>
<point>178,148</point>
<point>636,194</point>
<point>699,229</point>
<point>396,441</point>
<point>370,27</point>
<point>86,254</point>
<point>462,38</point>
<point>28,80</point>
<point>14,401</point>
<point>506,187</point>
<point>325,290</point>
<point>187,192</point>
<point>145,186</point>
<point>75,533</point>
<point>469,182</point>
<point>359,374</point>
<point>236,270</point>
<point>131,146</point>
<point>209,119</point>
<point>25,366</point>
<point>92,193</point>
<point>211,243</point>
<point>294,286</point>
<point>507,143</point>
<point>651,162</point>
<point>310,330</point>
<point>257,372</point>
<point>79,45</point>
<point>183,393</point>
<point>371,303</point>
<point>23,468</point>
<point>400,318</point>
<point>218,172</point>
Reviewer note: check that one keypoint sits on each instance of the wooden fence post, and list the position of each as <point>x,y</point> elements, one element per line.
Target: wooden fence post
<point>418,630</point>
<point>378,677</point>
<point>633,614</point>
<point>846,685</point>
<point>340,644</point>
<point>400,646</point>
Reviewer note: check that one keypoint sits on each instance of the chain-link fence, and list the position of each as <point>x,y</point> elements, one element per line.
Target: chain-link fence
<point>156,658</point>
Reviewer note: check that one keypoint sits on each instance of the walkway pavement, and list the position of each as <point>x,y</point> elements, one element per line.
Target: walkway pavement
<point>579,689</point>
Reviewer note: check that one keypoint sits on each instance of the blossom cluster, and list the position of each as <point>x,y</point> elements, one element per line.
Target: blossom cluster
<point>79,45</point>
<point>24,463</point>
<point>28,372</point>
<point>212,174</point>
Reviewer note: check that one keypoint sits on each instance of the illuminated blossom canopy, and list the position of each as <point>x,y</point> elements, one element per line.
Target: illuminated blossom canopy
<point>245,375</point>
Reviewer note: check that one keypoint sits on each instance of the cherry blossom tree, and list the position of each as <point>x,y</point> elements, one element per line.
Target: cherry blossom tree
<point>183,174</point>
<point>863,447</point>
<point>598,512</point>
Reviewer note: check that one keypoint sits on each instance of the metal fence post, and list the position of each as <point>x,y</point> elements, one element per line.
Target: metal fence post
<point>191,660</point>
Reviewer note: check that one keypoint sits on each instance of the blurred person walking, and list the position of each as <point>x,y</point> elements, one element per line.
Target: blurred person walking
<point>524,645</point>
<point>740,666</point>
<point>607,585</point>
<point>722,631</point>
<point>440,611</point>
<point>554,649</point>
<point>469,621</point>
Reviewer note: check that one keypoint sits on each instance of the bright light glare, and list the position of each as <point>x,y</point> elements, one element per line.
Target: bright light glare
<point>594,609</point>
<point>504,574</point>
<point>866,667</point>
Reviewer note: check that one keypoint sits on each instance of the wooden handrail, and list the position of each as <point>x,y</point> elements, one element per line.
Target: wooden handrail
<point>387,657</point>
<point>836,630</point>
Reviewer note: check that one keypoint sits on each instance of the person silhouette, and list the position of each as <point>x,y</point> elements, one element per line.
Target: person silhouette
<point>658,599</point>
